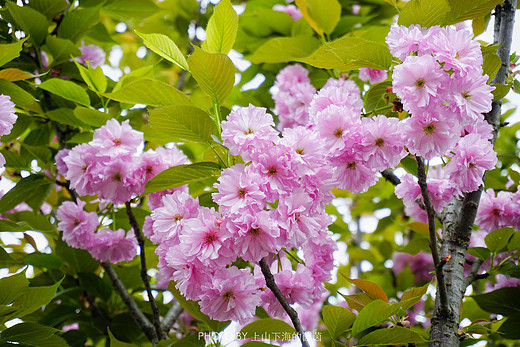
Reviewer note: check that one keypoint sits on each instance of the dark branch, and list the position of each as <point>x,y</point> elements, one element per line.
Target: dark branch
<point>144,272</point>
<point>421,175</point>
<point>134,310</point>
<point>474,275</point>
<point>390,177</point>
<point>173,313</point>
<point>271,284</point>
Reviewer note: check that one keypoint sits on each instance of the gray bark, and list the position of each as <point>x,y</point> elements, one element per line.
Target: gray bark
<point>460,215</point>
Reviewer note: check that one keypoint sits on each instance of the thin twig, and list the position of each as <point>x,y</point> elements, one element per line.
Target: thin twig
<point>134,310</point>
<point>144,272</point>
<point>96,311</point>
<point>474,275</point>
<point>421,176</point>
<point>173,313</point>
<point>271,284</point>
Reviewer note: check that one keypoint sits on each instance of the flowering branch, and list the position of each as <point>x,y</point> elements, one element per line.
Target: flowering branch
<point>134,310</point>
<point>144,275</point>
<point>271,284</point>
<point>460,215</point>
<point>173,313</point>
<point>421,176</point>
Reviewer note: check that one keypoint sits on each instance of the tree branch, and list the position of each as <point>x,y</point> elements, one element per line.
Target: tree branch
<point>134,310</point>
<point>271,284</point>
<point>421,175</point>
<point>474,275</point>
<point>173,313</point>
<point>390,177</point>
<point>144,272</point>
<point>460,215</point>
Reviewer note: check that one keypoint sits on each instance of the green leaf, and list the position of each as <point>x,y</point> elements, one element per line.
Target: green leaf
<point>500,91</point>
<point>94,78</point>
<point>497,240</point>
<point>115,342</point>
<point>413,296</point>
<point>19,96</point>
<point>337,319</point>
<point>43,260</point>
<point>129,9</point>
<point>49,8</point>
<point>149,92</point>
<point>180,175</point>
<point>15,75</point>
<point>12,287</point>
<point>182,123</point>
<point>350,53</point>
<point>32,22</point>
<point>426,13</point>
<point>284,49</point>
<point>33,190</point>
<point>10,51</point>
<point>215,73</point>
<point>222,29</point>
<point>193,308</point>
<point>269,328</point>
<point>95,285</point>
<point>322,15</point>
<point>462,10</point>
<point>27,333</point>
<point>357,301</point>
<point>480,252</point>
<point>514,242</point>
<point>34,298</point>
<point>61,49</point>
<point>67,90</point>
<point>371,288</point>
<point>491,65</point>
<point>504,301</point>
<point>66,116</point>
<point>91,116</point>
<point>77,22</point>
<point>391,336</point>
<point>78,259</point>
<point>188,341</point>
<point>165,47</point>
<point>374,313</point>
<point>375,97</point>
<point>509,329</point>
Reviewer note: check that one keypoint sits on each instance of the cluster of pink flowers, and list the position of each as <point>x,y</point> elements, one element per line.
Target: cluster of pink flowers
<point>7,119</point>
<point>91,53</point>
<point>291,10</point>
<point>113,167</point>
<point>372,75</point>
<point>441,84</point>
<point>272,205</point>
<point>292,95</point>
<point>80,230</point>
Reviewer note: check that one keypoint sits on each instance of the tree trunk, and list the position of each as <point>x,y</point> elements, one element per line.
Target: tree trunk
<point>460,215</point>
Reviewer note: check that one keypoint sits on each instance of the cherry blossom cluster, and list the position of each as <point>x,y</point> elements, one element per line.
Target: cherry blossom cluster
<point>7,119</point>
<point>272,205</point>
<point>441,85</point>
<point>114,168</point>
<point>292,94</point>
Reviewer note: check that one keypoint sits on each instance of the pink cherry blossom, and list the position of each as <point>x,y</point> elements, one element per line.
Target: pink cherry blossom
<point>77,225</point>
<point>372,75</point>
<point>92,53</point>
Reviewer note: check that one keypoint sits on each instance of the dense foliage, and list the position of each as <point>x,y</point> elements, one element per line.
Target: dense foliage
<point>310,171</point>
